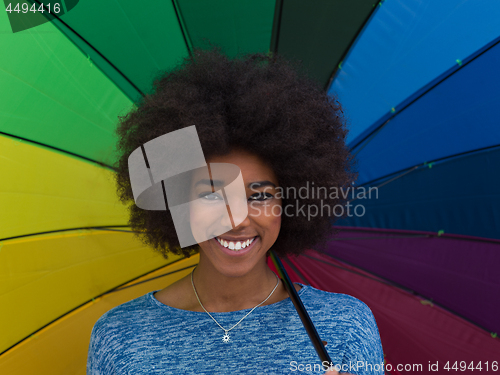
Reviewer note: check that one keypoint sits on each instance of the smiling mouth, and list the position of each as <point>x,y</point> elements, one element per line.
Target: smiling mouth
<point>236,245</point>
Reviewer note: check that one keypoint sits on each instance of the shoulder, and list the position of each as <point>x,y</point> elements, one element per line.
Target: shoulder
<point>122,316</point>
<point>118,324</point>
<point>355,319</point>
<point>112,331</point>
<point>317,298</point>
<point>343,309</point>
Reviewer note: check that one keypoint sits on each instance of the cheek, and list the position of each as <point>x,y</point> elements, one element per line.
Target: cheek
<point>202,212</point>
<point>275,229</point>
<point>274,220</point>
<point>195,214</point>
<point>201,220</point>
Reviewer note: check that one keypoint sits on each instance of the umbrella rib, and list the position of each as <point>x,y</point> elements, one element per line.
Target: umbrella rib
<point>426,164</point>
<point>390,180</point>
<point>275,33</point>
<point>409,235</point>
<point>153,278</point>
<point>379,237</point>
<point>424,90</point>
<point>378,279</point>
<point>69,229</point>
<point>61,150</point>
<point>184,32</point>
<point>114,230</point>
<point>95,49</point>
<point>371,136</point>
<point>383,280</point>
<point>344,56</point>
<point>292,266</point>
<point>85,303</point>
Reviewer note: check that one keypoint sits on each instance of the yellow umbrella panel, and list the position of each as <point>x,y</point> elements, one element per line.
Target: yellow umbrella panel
<point>52,263</point>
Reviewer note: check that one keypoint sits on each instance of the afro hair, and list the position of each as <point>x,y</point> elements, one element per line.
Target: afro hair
<point>256,102</point>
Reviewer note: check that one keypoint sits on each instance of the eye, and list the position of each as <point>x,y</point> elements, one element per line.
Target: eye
<point>260,197</point>
<point>210,196</point>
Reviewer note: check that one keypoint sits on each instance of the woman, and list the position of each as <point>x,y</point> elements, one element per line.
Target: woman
<point>232,314</point>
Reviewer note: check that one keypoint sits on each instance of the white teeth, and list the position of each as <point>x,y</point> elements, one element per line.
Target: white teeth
<point>222,242</point>
<point>235,245</point>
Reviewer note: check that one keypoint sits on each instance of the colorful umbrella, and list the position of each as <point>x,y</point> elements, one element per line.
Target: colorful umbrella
<point>419,83</point>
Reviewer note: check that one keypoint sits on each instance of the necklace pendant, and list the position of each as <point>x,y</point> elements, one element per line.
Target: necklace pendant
<point>226,337</point>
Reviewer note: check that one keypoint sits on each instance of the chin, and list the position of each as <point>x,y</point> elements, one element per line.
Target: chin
<point>235,270</point>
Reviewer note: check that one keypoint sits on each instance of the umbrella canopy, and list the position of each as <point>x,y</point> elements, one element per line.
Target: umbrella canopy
<point>419,84</point>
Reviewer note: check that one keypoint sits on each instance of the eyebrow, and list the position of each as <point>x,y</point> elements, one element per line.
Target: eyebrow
<point>206,181</point>
<point>251,185</point>
<point>259,184</point>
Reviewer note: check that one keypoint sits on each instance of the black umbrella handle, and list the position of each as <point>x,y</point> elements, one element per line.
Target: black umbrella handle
<point>301,310</point>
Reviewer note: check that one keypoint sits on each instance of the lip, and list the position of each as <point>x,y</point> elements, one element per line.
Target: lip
<point>241,252</point>
<point>237,238</point>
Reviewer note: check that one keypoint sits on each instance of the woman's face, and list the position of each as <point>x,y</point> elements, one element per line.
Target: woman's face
<point>239,250</point>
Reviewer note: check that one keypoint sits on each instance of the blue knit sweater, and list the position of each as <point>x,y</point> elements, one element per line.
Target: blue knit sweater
<point>144,336</point>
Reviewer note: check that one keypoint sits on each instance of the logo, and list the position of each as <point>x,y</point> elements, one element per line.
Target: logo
<point>205,200</point>
<point>26,14</point>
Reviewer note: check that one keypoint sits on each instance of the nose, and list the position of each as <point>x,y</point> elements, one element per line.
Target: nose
<point>226,220</point>
<point>237,215</point>
<point>244,223</point>
<point>234,193</point>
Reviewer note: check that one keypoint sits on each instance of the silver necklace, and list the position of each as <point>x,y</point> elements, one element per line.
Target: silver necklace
<point>226,337</point>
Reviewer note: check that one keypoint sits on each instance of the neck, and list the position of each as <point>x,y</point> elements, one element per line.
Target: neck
<point>222,293</point>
